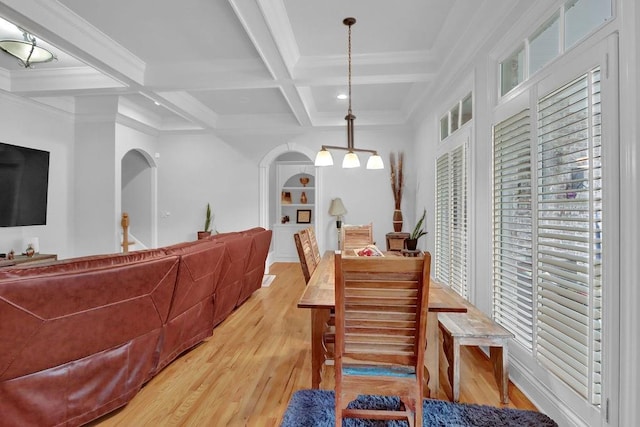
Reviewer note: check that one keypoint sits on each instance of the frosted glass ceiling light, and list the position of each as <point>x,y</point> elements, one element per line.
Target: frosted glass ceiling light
<point>351,158</point>
<point>26,51</point>
<point>324,158</point>
<point>375,162</point>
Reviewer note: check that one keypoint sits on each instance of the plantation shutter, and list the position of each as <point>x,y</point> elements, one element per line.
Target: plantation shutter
<point>443,242</point>
<point>451,218</point>
<point>569,234</point>
<point>512,227</point>
<point>458,228</point>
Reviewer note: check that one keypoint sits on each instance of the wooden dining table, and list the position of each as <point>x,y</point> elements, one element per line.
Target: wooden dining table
<point>319,296</point>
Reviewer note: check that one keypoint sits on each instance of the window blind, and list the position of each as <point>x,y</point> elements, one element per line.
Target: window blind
<point>452,220</point>
<point>512,227</point>
<point>569,252</point>
<point>442,259</point>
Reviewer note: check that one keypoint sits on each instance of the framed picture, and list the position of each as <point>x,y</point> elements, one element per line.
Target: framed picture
<point>303,216</point>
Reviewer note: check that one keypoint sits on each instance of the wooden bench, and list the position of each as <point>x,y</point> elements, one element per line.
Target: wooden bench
<point>475,328</point>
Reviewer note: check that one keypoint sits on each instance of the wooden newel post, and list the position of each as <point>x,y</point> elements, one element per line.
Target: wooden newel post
<point>125,232</point>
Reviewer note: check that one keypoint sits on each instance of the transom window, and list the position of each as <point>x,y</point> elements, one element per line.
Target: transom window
<point>565,28</point>
<point>457,116</point>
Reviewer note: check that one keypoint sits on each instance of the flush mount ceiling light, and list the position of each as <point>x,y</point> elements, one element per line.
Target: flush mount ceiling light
<point>26,51</point>
<point>324,158</point>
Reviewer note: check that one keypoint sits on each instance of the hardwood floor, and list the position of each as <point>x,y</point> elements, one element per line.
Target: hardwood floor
<point>256,359</point>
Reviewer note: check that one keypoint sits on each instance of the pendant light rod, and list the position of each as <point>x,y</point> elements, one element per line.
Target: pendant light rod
<point>335,147</point>
<point>349,117</point>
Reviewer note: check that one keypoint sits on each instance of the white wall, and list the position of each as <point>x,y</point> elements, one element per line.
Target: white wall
<point>194,170</point>
<point>34,126</point>
<point>95,176</point>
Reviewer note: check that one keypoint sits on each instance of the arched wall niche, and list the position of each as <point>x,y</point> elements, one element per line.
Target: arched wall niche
<point>269,193</point>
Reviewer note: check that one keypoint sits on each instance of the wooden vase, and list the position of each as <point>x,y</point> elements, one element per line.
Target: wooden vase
<point>303,198</point>
<point>397,220</point>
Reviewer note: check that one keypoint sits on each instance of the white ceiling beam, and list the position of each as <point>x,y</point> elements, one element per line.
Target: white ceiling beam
<point>190,108</point>
<point>255,24</point>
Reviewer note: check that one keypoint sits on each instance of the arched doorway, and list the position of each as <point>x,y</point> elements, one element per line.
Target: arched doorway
<point>138,197</point>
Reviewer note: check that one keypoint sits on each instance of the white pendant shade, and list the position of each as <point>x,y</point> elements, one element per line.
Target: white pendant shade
<point>351,160</point>
<point>323,158</point>
<point>375,162</point>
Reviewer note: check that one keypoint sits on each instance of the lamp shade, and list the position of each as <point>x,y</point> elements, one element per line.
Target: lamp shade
<point>351,160</point>
<point>337,207</point>
<point>323,158</point>
<point>375,162</point>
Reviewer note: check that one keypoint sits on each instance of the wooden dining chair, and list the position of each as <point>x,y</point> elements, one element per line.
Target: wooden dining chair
<point>356,236</point>
<point>309,255</point>
<point>381,325</point>
<point>314,244</point>
<point>304,246</point>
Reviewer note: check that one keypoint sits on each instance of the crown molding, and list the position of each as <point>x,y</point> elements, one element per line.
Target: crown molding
<point>61,79</point>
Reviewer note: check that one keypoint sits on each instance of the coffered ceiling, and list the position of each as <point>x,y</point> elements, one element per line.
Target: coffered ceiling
<point>233,66</point>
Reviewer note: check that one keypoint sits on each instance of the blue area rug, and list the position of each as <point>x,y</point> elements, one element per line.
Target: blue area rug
<point>315,408</point>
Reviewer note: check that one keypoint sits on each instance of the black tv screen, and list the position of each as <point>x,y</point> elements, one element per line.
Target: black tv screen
<point>24,181</point>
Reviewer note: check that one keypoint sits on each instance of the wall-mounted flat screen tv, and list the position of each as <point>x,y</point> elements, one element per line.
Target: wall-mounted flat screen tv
<point>24,181</point>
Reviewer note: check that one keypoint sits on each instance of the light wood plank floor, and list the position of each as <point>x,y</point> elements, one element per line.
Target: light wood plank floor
<point>256,359</point>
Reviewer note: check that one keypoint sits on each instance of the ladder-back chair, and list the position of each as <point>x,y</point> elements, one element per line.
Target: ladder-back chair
<point>381,326</point>
<point>309,256</point>
<point>304,246</point>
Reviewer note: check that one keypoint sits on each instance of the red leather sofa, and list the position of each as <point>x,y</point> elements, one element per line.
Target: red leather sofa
<point>80,337</point>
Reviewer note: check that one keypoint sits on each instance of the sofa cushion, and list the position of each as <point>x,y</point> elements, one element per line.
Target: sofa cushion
<point>191,314</point>
<point>260,242</point>
<point>81,337</point>
<point>227,292</point>
<point>51,317</point>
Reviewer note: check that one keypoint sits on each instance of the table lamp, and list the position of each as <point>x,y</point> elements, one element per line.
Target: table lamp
<point>337,209</point>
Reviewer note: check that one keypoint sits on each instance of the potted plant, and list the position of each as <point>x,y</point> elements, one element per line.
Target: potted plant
<point>418,231</point>
<point>207,224</point>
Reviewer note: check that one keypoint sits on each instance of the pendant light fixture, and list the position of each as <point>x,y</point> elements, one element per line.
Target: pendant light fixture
<point>351,160</point>
<point>26,51</point>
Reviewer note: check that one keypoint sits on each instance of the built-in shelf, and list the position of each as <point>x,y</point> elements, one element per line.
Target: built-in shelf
<point>289,207</point>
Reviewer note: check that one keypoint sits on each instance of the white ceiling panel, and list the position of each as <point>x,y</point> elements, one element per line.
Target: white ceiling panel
<point>211,64</point>
<point>382,26</point>
<point>244,101</point>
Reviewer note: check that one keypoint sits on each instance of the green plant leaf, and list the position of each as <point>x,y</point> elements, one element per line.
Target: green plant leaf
<point>207,219</point>
<point>418,231</point>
